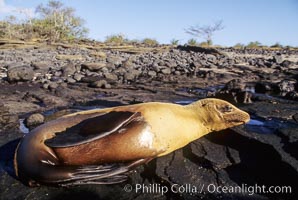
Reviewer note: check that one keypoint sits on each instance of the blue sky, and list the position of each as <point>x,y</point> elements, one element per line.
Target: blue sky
<point>266,21</point>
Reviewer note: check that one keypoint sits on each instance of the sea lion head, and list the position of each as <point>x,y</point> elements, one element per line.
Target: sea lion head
<point>217,114</point>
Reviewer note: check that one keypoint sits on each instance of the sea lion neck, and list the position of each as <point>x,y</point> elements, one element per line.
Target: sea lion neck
<point>207,115</point>
<point>201,117</point>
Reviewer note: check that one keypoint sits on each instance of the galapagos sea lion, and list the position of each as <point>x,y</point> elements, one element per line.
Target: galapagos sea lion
<point>100,146</point>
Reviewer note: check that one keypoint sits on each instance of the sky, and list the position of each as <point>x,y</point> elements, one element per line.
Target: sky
<point>266,21</point>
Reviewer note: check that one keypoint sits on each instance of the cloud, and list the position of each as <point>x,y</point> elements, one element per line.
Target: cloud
<point>6,9</point>
<point>12,10</point>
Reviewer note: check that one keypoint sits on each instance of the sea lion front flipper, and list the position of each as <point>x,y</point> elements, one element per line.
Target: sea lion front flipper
<point>92,129</point>
<point>101,174</point>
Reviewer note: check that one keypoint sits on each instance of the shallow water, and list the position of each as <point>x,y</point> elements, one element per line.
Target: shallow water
<point>184,102</point>
<point>254,122</point>
<point>201,92</point>
<point>265,126</point>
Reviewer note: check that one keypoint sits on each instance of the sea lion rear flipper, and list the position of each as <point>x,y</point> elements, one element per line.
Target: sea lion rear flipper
<point>92,129</point>
<point>100,174</point>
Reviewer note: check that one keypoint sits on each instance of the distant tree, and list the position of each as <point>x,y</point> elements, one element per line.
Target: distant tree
<point>174,41</point>
<point>206,31</point>
<point>55,22</point>
<point>192,42</point>
<point>58,22</point>
<point>8,27</point>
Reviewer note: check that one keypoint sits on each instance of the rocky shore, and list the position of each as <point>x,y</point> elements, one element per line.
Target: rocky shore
<point>42,82</point>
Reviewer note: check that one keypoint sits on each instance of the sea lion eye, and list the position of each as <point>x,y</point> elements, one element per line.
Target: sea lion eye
<point>226,109</point>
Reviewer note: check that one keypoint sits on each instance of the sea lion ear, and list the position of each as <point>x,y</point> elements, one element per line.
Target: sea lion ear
<point>202,102</point>
<point>208,103</point>
<point>92,129</point>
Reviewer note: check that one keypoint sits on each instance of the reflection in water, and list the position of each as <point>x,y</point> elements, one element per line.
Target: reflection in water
<point>23,127</point>
<point>254,122</point>
<point>184,102</point>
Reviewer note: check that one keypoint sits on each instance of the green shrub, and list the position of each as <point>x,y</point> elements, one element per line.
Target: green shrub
<point>150,42</point>
<point>255,44</point>
<point>239,46</point>
<point>276,45</point>
<point>134,41</point>
<point>116,39</point>
<point>206,44</point>
<point>192,42</point>
<point>174,42</point>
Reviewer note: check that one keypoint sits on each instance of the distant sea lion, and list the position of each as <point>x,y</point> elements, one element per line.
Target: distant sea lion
<point>100,146</point>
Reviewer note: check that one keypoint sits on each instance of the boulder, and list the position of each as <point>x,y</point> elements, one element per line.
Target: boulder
<point>41,66</point>
<point>34,120</point>
<point>100,84</point>
<point>286,63</point>
<point>295,117</point>
<point>234,85</point>
<point>78,76</point>
<point>277,58</point>
<point>111,76</point>
<point>115,60</point>
<point>152,73</point>
<point>7,118</point>
<point>263,87</point>
<point>93,66</point>
<point>132,75</point>
<point>53,85</point>
<point>170,63</point>
<point>234,92</point>
<point>292,95</point>
<point>90,79</point>
<point>286,86</point>
<point>128,64</point>
<point>68,69</point>
<point>20,73</point>
<point>166,71</point>
<point>70,80</point>
<point>210,57</point>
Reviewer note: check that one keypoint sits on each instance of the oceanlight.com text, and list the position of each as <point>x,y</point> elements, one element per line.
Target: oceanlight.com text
<point>210,188</point>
